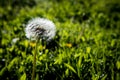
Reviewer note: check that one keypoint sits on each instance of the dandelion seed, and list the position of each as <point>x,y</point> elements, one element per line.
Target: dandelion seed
<point>3,60</point>
<point>40,28</point>
<point>40,53</point>
<point>14,40</point>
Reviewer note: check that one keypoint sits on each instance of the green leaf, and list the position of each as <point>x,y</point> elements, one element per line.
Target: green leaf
<point>14,61</point>
<point>23,77</point>
<point>104,78</point>
<point>118,64</point>
<point>112,42</point>
<point>70,67</point>
<point>67,72</point>
<point>2,71</point>
<point>88,49</point>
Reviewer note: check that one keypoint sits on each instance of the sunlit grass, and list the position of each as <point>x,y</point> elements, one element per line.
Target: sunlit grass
<point>86,45</point>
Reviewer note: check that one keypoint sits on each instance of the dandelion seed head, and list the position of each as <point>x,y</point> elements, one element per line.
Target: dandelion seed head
<point>40,28</point>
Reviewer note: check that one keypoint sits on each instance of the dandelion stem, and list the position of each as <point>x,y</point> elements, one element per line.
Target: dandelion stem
<point>34,60</point>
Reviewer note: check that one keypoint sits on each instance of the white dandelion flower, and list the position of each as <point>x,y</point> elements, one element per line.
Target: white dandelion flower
<point>40,28</point>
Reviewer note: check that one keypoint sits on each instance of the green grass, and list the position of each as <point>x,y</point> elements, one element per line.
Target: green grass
<point>86,45</point>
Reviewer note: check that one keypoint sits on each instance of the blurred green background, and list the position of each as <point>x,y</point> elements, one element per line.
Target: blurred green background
<point>86,45</point>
